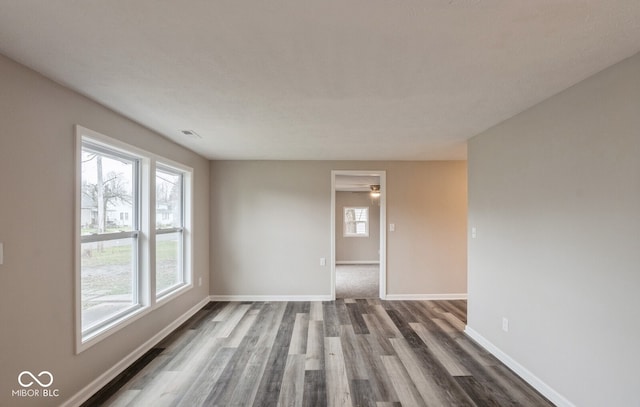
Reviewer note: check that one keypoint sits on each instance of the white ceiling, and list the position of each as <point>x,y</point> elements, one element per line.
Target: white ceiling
<point>325,79</point>
<point>356,183</point>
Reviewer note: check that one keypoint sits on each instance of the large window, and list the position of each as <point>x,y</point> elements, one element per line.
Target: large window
<point>109,239</point>
<point>127,263</point>
<point>356,221</point>
<point>169,229</point>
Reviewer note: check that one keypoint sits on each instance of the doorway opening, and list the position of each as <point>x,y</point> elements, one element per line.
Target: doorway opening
<point>358,234</point>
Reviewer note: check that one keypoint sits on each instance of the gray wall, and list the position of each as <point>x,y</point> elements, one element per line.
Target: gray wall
<point>37,175</point>
<point>271,223</point>
<point>555,196</point>
<point>357,249</point>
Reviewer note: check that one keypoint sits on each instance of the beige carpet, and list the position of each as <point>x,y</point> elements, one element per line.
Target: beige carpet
<point>358,281</point>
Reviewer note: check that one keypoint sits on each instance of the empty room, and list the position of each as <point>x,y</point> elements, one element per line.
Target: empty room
<point>330,203</point>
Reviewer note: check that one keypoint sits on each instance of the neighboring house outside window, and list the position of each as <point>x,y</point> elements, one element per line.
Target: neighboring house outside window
<point>169,229</point>
<point>109,245</point>
<point>117,275</point>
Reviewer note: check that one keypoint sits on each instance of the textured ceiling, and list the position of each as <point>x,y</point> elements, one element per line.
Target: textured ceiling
<point>326,79</point>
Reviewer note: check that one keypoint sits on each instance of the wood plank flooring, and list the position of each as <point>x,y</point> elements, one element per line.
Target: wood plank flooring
<point>334,353</point>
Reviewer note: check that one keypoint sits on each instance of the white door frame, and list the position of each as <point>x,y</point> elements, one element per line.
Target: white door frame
<point>383,226</point>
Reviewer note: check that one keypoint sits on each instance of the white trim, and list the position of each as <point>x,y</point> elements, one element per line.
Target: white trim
<point>383,235</point>
<point>187,224</point>
<point>333,235</point>
<point>270,298</point>
<point>83,135</point>
<point>175,292</point>
<point>77,283</point>
<point>425,297</point>
<point>546,390</point>
<point>93,387</point>
<point>346,263</point>
<point>148,299</point>
<point>383,227</point>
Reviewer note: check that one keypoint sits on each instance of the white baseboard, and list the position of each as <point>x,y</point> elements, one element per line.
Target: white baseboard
<point>425,297</point>
<point>555,397</point>
<point>270,298</point>
<point>347,263</point>
<point>93,387</point>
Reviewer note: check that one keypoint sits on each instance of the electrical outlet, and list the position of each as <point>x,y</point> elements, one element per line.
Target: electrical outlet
<point>199,281</point>
<point>1,253</point>
<point>505,324</point>
<point>323,261</point>
<point>473,233</point>
<point>392,227</point>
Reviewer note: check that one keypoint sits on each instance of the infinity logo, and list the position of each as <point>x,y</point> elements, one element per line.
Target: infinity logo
<point>35,379</point>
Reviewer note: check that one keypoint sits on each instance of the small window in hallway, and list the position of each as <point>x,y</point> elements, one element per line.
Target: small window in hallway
<point>356,222</point>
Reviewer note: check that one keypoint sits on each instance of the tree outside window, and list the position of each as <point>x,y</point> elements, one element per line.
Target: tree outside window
<point>356,222</point>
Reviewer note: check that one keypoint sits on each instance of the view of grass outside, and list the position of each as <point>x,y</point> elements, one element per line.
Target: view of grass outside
<point>169,222</point>
<point>106,281</point>
<point>166,263</point>
<point>106,277</point>
<point>168,255</point>
<point>109,212</point>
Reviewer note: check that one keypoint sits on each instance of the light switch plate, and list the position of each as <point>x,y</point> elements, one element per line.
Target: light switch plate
<point>1,253</point>
<point>505,324</point>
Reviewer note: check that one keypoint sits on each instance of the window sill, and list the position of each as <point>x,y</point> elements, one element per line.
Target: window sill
<point>85,343</point>
<point>178,291</point>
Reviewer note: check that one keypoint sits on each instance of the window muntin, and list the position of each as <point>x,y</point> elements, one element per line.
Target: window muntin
<point>128,232</point>
<point>109,252</point>
<point>170,242</point>
<point>356,221</point>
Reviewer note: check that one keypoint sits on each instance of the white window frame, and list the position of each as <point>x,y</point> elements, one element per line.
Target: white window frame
<point>345,227</point>
<point>110,151</point>
<point>147,299</point>
<point>185,229</point>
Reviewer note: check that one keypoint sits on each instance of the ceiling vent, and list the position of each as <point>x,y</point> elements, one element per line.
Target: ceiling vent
<point>190,134</point>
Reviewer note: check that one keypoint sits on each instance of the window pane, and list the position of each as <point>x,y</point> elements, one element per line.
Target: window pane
<point>356,221</point>
<point>106,279</point>
<point>361,214</point>
<point>168,199</point>
<point>168,261</point>
<point>107,203</point>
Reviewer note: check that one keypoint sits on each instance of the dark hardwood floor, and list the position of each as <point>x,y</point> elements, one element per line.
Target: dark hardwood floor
<point>336,353</point>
